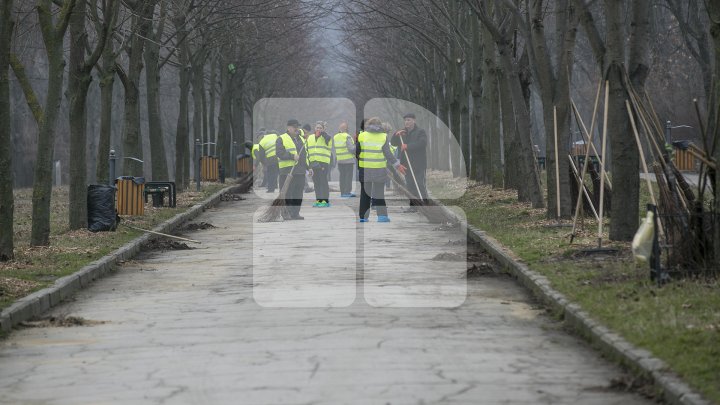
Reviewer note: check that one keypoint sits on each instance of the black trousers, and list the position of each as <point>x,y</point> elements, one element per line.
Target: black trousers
<point>294,195</point>
<point>346,177</point>
<point>376,191</point>
<point>420,175</point>
<point>272,174</point>
<point>320,179</point>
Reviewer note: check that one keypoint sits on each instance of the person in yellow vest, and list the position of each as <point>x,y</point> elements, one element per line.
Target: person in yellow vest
<point>344,147</point>
<point>292,161</point>
<point>373,153</point>
<point>268,150</point>
<point>259,160</point>
<point>319,147</point>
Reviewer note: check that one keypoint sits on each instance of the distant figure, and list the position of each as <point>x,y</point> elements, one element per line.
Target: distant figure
<point>221,173</point>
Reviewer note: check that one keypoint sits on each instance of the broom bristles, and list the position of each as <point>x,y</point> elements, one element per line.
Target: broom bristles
<point>422,205</point>
<point>278,207</point>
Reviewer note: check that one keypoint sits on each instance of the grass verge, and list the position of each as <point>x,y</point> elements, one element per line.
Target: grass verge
<point>34,268</point>
<point>679,322</point>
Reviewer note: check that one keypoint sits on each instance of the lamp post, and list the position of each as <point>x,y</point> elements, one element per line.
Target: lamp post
<point>198,153</point>
<point>111,167</point>
<point>233,154</point>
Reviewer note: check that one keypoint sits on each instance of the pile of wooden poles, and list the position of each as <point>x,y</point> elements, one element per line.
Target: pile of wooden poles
<point>686,228</point>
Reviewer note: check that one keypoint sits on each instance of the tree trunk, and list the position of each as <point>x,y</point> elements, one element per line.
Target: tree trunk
<point>155,132</point>
<point>198,85</point>
<point>476,72</point>
<point>554,86</point>
<point>529,186</point>
<point>79,80</point>
<point>238,109</point>
<point>211,110</point>
<point>625,158</point>
<point>510,155</point>
<point>224,128</point>
<point>132,134</point>
<point>42,188</point>
<point>107,83</point>
<point>492,173</point>
<point>713,8</point>
<point>6,180</point>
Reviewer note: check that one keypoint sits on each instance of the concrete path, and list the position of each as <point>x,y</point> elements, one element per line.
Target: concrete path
<point>340,313</point>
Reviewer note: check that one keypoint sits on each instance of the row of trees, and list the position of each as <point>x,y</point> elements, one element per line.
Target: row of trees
<point>486,67</point>
<point>219,55</point>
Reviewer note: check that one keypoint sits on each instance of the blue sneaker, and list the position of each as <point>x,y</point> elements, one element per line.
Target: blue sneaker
<point>383,218</point>
<point>344,195</point>
<point>351,195</point>
<point>363,220</point>
<point>316,204</point>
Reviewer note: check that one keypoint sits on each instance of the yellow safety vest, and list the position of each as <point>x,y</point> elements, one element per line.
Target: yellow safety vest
<point>268,145</point>
<point>371,153</point>
<point>256,147</point>
<point>393,149</point>
<point>318,150</point>
<point>340,143</point>
<point>290,148</point>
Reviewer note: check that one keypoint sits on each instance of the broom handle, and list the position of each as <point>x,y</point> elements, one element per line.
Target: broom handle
<point>286,186</point>
<point>160,234</point>
<point>412,172</point>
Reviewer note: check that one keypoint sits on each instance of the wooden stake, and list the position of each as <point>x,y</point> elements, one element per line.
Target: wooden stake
<point>642,153</point>
<point>602,168</point>
<point>583,188</point>
<point>587,152</point>
<point>557,164</point>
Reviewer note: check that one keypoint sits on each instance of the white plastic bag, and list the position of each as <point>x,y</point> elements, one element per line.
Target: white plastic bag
<point>643,241</point>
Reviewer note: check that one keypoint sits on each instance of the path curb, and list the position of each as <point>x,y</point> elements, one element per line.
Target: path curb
<point>39,302</point>
<point>673,389</point>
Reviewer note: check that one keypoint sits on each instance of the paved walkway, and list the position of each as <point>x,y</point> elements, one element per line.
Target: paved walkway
<point>373,320</point>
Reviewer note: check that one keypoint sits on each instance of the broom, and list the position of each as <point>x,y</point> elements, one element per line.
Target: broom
<point>433,215</point>
<point>278,207</point>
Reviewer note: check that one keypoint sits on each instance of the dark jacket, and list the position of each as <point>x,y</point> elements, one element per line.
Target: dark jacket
<point>416,141</point>
<point>301,166</point>
<point>372,174</point>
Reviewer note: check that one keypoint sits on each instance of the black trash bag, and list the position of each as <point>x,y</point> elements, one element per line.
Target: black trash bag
<point>101,208</point>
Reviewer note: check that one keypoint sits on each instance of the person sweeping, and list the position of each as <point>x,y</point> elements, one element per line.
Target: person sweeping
<point>292,161</point>
<point>374,155</point>
<point>412,145</point>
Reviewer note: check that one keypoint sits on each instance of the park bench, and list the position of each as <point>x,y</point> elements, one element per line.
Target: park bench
<point>157,190</point>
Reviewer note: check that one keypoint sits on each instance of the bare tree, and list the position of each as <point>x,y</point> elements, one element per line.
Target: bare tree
<point>79,79</point>
<point>6,180</point>
<point>53,29</point>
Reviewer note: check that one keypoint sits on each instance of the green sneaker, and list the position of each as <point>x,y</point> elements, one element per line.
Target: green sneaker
<point>316,204</point>
<point>323,204</point>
